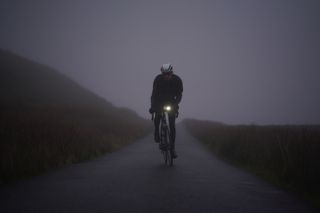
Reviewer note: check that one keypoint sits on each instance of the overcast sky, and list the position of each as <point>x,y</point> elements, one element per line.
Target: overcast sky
<point>248,61</point>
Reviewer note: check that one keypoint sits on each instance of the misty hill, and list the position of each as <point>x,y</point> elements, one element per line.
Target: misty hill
<point>27,83</point>
<point>48,120</point>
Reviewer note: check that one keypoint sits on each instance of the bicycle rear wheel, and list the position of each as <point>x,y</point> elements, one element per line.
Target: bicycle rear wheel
<point>165,142</point>
<point>170,158</point>
<point>165,156</point>
<point>165,150</point>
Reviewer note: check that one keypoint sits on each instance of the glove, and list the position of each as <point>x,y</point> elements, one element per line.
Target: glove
<point>176,107</point>
<point>151,110</point>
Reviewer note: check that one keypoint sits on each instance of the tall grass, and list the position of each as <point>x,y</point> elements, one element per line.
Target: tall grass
<point>34,140</point>
<point>287,155</point>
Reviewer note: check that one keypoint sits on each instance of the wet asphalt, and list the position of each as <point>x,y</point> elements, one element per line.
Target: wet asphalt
<point>135,179</point>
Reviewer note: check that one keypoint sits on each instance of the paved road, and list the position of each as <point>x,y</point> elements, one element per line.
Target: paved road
<point>134,179</point>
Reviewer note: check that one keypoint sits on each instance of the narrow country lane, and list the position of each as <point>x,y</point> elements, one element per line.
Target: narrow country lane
<point>135,179</point>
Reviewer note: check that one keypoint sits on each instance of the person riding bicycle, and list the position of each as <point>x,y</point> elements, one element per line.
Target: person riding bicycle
<point>167,89</point>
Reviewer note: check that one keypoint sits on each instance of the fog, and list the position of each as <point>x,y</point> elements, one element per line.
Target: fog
<point>249,61</point>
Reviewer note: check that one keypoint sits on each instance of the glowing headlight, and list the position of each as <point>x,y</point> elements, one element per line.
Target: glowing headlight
<point>167,108</point>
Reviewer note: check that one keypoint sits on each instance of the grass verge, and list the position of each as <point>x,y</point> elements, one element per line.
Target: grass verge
<point>34,140</point>
<point>287,156</point>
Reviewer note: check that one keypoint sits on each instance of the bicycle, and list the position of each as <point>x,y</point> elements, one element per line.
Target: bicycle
<point>165,136</point>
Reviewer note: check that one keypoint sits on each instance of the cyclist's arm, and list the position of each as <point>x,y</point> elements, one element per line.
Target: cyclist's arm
<point>179,90</point>
<point>154,92</point>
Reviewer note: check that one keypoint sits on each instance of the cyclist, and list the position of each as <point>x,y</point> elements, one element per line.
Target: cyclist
<point>167,88</point>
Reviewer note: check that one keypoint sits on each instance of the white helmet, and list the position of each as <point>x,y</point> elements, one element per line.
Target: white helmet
<point>166,68</point>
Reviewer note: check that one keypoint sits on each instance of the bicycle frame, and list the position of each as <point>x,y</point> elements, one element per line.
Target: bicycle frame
<point>165,137</point>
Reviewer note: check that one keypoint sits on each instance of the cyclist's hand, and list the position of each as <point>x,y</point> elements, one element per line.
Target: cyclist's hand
<point>175,107</point>
<point>151,110</point>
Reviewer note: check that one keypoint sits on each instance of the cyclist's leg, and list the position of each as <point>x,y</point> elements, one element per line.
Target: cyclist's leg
<point>156,126</point>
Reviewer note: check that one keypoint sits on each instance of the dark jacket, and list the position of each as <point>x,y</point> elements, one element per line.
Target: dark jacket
<point>166,91</point>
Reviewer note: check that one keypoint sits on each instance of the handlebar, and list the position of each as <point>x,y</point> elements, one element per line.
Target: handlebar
<point>176,114</point>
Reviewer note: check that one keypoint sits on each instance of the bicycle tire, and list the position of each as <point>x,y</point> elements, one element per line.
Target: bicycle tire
<point>165,142</point>
<point>165,157</point>
<point>170,158</point>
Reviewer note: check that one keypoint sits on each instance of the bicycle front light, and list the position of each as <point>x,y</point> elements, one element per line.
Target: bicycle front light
<point>167,108</point>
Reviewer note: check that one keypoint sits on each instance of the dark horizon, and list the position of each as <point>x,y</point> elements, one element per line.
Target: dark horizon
<point>241,63</point>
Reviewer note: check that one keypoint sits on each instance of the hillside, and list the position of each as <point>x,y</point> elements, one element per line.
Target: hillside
<point>48,120</point>
<point>25,83</point>
<point>29,83</point>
